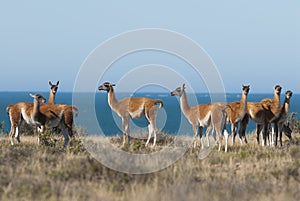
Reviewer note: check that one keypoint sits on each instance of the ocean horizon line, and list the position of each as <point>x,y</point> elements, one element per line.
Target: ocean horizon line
<point>139,92</point>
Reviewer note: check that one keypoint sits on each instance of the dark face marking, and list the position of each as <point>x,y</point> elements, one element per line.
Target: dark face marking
<point>246,89</point>
<point>177,92</point>
<point>54,87</point>
<point>288,94</point>
<point>278,89</point>
<point>106,86</point>
<point>39,98</point>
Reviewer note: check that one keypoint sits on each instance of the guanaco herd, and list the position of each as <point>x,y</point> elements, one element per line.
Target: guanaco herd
<point>214,116</point>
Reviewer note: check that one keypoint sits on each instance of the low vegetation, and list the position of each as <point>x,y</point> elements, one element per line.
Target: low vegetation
<point>294,122</point>
<point>50,172</point>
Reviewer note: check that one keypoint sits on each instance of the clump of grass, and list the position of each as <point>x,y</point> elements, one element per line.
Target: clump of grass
<point>138,143</point>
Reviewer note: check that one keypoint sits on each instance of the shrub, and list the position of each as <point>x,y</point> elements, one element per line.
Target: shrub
<point>294,122</point>
<point>2,127</point>
<point>47,139</point>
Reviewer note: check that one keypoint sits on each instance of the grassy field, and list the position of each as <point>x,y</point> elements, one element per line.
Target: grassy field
<point>49,172</point>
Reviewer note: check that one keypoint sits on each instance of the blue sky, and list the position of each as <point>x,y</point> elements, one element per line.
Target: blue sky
<point>255,42</point>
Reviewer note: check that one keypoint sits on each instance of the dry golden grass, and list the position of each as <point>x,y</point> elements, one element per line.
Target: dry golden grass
<point>249,172</point>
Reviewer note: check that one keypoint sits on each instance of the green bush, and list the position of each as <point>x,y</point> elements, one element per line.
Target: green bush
<point>2,127</point>
<point>294,122</point>
<point>47,138</point>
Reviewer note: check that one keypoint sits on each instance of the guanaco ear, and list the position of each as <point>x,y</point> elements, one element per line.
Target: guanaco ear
<point>112,85</point>
<point>183,86</point>
<point>50,83</point>
<point>31,95</point>
<point>57,83</point>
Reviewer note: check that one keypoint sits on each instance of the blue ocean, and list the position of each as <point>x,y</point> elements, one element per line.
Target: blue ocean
<point>96,117</point>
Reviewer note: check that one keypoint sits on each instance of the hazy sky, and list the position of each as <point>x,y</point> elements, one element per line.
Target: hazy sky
<point>256,42</point>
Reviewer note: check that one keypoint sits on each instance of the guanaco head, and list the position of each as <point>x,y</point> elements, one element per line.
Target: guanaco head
<point>54,87</point>
<point>246,89</point>
<point>179,91</point>
<point>278,89</point>
<point>38,97</point>
<point>106,86</point>
<point>288,94</point>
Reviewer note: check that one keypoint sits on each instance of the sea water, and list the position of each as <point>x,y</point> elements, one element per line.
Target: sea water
<point>96,117</point>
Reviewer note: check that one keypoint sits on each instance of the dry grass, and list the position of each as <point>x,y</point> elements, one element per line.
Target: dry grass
<point>250,172</point>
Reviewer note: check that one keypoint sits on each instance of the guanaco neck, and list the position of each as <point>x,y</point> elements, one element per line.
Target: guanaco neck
<point>275,107</point>
<point>243,103</point>
<point>36,109</point>
<point>184,104</point>
<point>51,98</point>
<point>112,101</point>
<point>286,105</point>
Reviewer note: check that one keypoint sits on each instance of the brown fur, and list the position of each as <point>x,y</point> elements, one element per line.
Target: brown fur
<point>68,112</point>
<point>48,112</point>
<point>14,111</point>
<point>262,113</point>
<point>15,116</point>
<point>218,122</point>
<point>236,112</point>
<point>203,110</point>
<point>211,115</point>
<point>279,122</point>
<point>135,103</point>
<point>273,104</point>
<point>133,108</point>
